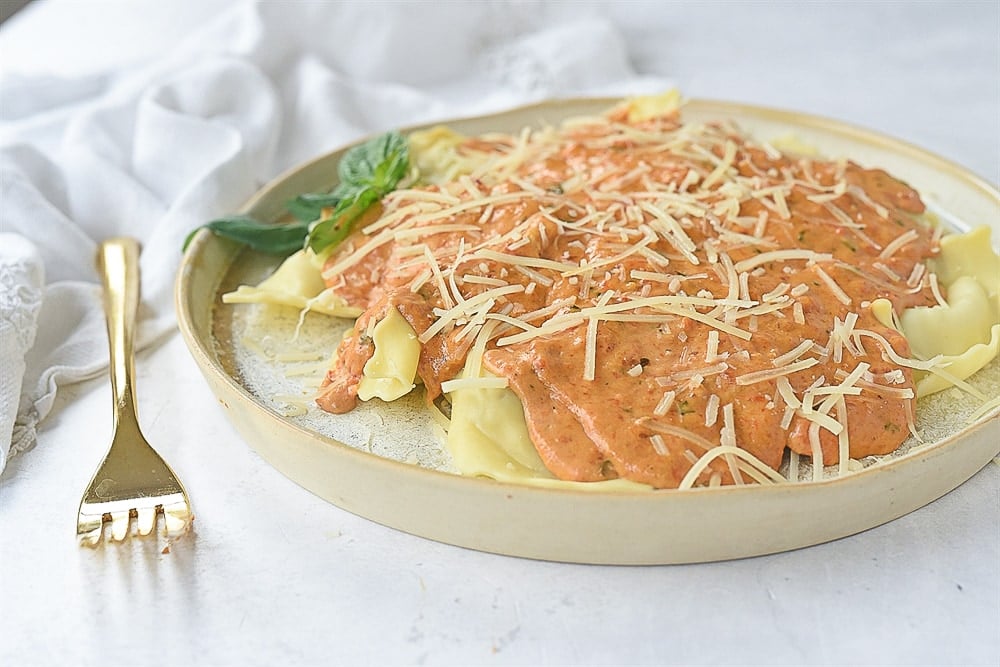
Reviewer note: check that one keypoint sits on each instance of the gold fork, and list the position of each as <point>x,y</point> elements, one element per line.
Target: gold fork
<point>133,482</point>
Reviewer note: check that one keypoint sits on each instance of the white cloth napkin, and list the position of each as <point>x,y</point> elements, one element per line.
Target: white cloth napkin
<point>158,147</point>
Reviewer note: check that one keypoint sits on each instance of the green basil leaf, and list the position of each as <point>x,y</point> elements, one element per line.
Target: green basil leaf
<point>389,172</point>
<point>309,207</point>
<point>367,172</point>
<point>328,233</point>
<point>378,163</point>
<point>367,164</point>
<point>273,239</point>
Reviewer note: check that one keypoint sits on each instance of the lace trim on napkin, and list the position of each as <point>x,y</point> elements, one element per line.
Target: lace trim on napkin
<point>21,278</point>
<point>25,432</point>
<point>19,303</point>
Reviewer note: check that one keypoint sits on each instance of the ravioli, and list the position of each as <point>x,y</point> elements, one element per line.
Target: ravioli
<point>296,283</point>
<point>520,269</point>
<point>390,372</point>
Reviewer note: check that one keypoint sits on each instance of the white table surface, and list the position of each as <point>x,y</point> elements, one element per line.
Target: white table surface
<point>273,575</point>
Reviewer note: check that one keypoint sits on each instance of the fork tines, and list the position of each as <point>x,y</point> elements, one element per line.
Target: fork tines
<point>124,520</point>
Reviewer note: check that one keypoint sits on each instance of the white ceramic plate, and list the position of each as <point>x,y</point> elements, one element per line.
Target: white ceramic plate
<point>394,472</point>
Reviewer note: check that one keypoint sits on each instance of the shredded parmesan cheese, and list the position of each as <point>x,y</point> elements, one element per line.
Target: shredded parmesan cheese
<point>694,236</point>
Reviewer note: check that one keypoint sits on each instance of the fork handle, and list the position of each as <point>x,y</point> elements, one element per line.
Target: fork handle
<point>118,264</point>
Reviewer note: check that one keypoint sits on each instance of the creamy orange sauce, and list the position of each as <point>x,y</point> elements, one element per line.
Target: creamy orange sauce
<point>635,248</point>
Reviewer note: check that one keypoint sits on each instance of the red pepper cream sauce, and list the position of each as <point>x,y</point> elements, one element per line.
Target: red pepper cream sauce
<point>653,291</point>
